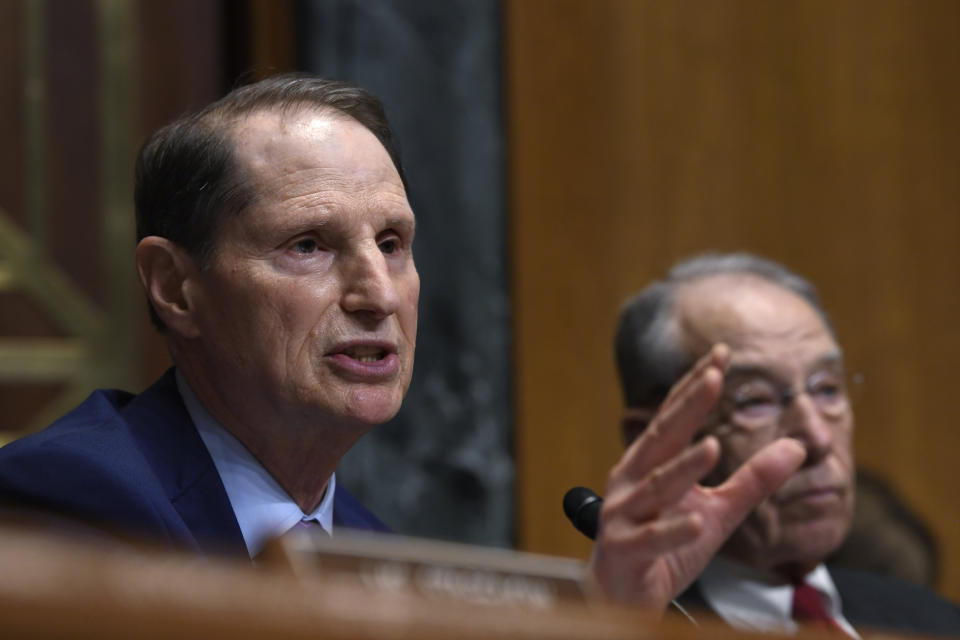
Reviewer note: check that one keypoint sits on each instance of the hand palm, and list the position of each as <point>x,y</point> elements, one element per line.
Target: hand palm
<point>658,527</point>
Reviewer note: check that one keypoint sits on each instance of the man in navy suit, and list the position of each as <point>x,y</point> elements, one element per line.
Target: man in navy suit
<point>783,376</point>
<point>275,249</point>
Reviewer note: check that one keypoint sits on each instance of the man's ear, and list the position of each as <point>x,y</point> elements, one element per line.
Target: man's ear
<point>165,269</point>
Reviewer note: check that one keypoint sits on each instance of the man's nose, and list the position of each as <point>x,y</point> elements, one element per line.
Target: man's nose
<point>805,421</point>
<point>368,285</point>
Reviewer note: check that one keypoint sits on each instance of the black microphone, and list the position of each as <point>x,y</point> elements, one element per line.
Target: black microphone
<point>582,506</point>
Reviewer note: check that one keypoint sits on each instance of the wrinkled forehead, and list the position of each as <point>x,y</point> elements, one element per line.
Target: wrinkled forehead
<point>311,167</point>
<point>287,154</point>
<point>758,319</point>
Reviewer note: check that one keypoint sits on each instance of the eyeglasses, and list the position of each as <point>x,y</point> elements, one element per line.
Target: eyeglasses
<point>758,402</point>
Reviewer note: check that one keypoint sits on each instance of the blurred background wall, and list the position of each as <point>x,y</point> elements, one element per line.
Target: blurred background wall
<point>561,155</point>
<point>822,134</point>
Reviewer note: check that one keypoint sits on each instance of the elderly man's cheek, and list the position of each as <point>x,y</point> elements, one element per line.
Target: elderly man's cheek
<point>762,528</point>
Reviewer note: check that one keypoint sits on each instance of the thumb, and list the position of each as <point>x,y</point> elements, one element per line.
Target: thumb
<point>760,476</point>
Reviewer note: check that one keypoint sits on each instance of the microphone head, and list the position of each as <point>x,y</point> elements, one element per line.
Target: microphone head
<point>582,507</point>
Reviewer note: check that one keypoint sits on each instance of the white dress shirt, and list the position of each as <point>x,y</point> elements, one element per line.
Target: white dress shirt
<point>752,600</point>
<point>264,510</point>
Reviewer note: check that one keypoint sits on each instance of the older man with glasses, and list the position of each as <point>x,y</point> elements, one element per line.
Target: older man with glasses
<point>783,377</point>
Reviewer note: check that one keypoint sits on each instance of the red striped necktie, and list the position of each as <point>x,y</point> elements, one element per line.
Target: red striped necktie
<point>808,610</point>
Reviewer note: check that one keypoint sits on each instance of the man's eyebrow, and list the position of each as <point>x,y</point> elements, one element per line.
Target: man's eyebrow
<point>402,222</point>
<point>301,224</point>
<point>834,358</point>
<point>735,371</point>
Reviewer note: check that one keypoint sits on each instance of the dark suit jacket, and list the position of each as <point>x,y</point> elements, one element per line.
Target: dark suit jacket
<point>872,602</point>
<point>135,465</point>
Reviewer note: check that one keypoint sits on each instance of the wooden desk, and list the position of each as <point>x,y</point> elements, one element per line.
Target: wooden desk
<point>52,587</point>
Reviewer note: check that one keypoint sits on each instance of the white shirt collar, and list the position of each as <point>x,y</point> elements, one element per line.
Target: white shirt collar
<point>751,600</point>
<point>263,509</point>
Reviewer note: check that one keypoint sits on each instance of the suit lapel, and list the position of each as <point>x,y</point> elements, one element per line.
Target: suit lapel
<point>170,443</point>
<point>349,513</point>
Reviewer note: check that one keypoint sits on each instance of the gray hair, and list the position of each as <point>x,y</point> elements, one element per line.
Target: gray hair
<point>648,352</point>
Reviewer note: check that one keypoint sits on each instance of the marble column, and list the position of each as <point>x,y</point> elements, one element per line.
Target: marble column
<point>444,467</point>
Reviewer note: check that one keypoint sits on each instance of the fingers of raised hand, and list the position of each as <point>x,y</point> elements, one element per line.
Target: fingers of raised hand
<point>674,426</point>
<point>718,357</point>
<point>646,542</point>
<point>665,486</point>
<point>759,477</point>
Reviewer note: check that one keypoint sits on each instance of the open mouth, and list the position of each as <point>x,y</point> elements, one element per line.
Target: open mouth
<point>367,361</point>
<point>364,353</point>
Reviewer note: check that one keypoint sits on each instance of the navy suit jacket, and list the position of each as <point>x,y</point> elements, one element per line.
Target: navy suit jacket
<point>136,466</point>
<point>872,602</point>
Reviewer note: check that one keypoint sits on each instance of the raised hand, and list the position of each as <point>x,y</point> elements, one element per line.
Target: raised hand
<point>658,528</point>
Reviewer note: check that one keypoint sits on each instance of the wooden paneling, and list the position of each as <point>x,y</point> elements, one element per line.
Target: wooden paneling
<point>84,82</point>
<point>821,134</point>
<point>180,51</point>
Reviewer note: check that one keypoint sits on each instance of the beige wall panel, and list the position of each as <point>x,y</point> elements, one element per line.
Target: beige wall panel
<point>821,134</point>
